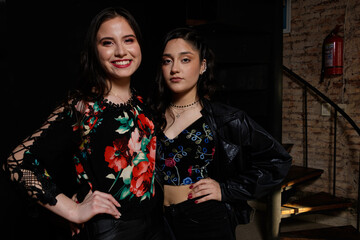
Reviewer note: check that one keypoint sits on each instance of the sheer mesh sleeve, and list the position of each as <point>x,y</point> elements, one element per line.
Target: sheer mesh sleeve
<point>42,163</point>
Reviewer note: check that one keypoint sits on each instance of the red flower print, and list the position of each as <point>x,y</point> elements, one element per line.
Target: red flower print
<point>117,156</point>
<point>140,99</point>
<point>141,178</point>
<point>145,124</point>
<point>135,142</point>
<point>190,170</point>
<point>213,152</point>
<point>143,172</point>
<point>151,148</point>
<point>92,122</point>
<point>79,168</point>
<point>170,162</point>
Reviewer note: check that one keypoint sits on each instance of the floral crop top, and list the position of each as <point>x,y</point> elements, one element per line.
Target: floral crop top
<point>187,158</point>
<point>100,145</point>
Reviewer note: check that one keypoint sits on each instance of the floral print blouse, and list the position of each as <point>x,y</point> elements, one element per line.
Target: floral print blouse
<point>187,158</point>
<point>109,147</point>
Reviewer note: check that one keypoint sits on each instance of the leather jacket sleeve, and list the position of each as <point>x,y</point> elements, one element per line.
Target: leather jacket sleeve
<point>251,161</point>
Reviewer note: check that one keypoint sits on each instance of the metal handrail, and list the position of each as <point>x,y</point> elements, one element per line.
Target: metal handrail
<point>326,99</point>
<point>307,85</point>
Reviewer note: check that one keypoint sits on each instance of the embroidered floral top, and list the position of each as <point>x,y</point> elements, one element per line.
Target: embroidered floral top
<point>187,158</point>
<point>105,146</point>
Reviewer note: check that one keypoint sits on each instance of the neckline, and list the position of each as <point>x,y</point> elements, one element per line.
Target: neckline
<point>191,124</point>
<point>129,103</point>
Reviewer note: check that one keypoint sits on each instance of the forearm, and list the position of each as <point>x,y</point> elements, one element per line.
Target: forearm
<point>93,204</point>
<point>64,207</point>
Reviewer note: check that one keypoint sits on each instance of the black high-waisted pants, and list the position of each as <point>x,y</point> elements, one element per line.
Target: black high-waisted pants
<point>109,228</point>
<point>208,220</point>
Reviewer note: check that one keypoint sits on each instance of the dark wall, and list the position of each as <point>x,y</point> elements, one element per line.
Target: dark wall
<point>247,41</point>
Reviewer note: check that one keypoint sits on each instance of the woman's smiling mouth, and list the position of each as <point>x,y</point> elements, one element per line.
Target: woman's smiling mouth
<point>121,63</point>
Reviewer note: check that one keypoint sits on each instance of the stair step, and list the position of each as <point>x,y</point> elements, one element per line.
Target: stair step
<point>298,174</point>
<point>316,202</point>
<point>331,233</point>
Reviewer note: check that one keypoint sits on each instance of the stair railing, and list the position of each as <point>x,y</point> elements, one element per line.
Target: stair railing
<point>306,87</point>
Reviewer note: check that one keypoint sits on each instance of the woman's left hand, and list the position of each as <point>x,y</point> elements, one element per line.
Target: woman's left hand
<point>209,188</point>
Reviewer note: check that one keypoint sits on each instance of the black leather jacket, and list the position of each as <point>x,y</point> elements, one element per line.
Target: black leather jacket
<point>249,162</point>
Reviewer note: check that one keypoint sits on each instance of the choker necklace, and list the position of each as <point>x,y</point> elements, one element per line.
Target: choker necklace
<point>184,106</point>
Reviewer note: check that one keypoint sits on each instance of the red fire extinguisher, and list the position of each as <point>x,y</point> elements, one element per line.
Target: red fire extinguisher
<point>333,54</point>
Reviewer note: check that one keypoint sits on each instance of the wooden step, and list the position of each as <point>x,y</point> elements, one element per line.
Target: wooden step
<point>316,202</point>
<point>298,174</point>
<point>331,233</point>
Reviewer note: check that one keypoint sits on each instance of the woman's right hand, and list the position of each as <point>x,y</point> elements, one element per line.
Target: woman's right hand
<point>79,213</point>
<point>93,204</point>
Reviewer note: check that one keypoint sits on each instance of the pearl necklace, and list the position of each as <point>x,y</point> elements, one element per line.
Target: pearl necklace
<point>184,106</point>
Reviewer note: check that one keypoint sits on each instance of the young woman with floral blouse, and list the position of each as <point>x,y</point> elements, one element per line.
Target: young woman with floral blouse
<point>100,145</point>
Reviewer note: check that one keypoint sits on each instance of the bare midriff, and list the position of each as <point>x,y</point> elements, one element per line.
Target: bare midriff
<point>175,194</point>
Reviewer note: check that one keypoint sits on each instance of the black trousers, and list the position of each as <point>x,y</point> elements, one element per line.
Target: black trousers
<point>208,220</point>
<point>109,228</point>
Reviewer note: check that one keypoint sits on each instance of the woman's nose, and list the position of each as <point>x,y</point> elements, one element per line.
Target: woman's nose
<point>120,51</point>
<point>174,68</point>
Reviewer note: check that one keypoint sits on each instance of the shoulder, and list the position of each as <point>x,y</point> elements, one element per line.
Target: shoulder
<point>223,111</point>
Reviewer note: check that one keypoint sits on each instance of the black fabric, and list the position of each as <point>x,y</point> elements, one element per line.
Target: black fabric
<point>104,227</point>
<point>186,158</point>
<point>248,163</point>
<point>203,221</point>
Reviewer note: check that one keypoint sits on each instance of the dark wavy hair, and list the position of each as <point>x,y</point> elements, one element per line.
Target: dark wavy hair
<point>206,83</point>
<point>92,83</point>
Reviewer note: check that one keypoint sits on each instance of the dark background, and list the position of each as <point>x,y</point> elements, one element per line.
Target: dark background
<point>40,43</point>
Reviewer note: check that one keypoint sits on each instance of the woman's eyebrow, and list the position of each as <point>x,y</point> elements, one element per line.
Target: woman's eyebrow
<point>181,53</point>
<point>111,38</point>
<point>106,38</point>
<point>129,35</point>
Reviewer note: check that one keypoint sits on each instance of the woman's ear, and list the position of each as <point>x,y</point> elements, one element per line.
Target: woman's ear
<point>203,66</point>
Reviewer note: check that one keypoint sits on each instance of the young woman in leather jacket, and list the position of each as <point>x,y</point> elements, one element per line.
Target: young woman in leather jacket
<point>212,157</point>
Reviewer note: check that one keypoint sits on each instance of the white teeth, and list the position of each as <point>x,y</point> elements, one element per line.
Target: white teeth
<point>122,62</point>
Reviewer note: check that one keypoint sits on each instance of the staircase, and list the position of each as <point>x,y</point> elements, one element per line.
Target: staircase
<point>317,202</point>
<point>284,203</point>
<point>331,233</point>
<point>314,203</point>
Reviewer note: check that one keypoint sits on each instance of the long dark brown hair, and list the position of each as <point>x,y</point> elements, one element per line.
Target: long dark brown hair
<point>205,85</point>
<point>92,83</point>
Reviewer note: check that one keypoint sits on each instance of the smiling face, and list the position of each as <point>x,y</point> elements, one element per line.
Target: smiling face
<point>181,67</point>
<point>118,48</point>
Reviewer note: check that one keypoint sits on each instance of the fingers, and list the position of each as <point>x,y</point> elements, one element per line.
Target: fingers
<point>75,228</point>
<point>106,203</point>
<point>100,202</point>
<point>108,197</point>
<point>208,188</point>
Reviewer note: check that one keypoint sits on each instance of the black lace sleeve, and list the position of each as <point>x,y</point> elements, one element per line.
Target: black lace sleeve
<point>42,163</point>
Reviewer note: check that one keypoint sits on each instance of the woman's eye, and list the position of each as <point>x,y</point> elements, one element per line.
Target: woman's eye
<point>186,60</point>
<point>106,43</point>
<point>129,40</point>
<point>166,61</point>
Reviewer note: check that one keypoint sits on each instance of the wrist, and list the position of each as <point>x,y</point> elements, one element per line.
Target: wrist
<point>73,213</point>
<point>66,208</point>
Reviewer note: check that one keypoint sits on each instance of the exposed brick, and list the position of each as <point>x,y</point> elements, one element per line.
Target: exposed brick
<point>312,21</point>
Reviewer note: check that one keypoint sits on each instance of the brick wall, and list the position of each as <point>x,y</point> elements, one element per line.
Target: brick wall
<point>311,22</point>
